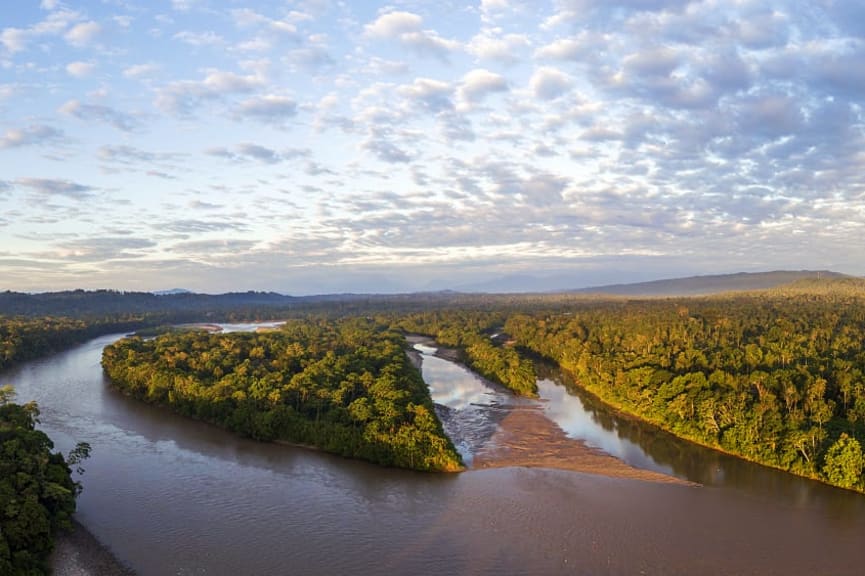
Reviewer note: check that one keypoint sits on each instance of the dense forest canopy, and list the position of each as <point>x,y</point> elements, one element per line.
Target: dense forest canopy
<point>344,386</point>
<point>775,379</point>
<point>37,493</point>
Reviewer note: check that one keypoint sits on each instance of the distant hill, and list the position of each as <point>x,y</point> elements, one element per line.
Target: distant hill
<point>713,284</point>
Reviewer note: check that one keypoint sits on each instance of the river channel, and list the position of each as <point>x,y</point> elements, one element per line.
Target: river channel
<point>170,495</point>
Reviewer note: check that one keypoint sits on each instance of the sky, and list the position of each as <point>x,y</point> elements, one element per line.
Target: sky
<point>323,146</point>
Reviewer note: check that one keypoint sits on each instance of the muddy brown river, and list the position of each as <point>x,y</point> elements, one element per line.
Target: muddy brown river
<point>173,496</point>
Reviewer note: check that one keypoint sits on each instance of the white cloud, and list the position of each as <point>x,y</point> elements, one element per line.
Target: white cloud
<point>87,112</point>
<point>80,69</point>
<point>393,25</point>
<point>32,135</point>
<point>432,95</point>
<point>406,28</point>
<point>478,83</point>
<point>547,83</point>
<point>206,38</point>
<point>498,46</point>
<point>82,34</point>
<point>13,39</point>
<point>47,187</point>
<point>268,108</point>
<point>140,70</point>
<point>184,96</point>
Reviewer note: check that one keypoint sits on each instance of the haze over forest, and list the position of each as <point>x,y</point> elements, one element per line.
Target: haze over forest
<point>316,147</point>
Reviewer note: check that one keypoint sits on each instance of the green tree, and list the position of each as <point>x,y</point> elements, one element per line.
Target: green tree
<point>844,462</point>
<point>37,493</point>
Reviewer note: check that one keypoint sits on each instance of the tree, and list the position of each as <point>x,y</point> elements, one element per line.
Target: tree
<point>844,462</point>
<point>37,493</point>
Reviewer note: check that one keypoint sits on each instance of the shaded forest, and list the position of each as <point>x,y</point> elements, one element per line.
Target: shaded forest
<point>37,493</point>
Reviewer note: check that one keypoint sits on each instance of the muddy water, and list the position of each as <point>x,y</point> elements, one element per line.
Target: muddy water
<point>174,496</point>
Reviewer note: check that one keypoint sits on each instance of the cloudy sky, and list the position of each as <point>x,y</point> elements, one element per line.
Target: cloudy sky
<point>321,146</point>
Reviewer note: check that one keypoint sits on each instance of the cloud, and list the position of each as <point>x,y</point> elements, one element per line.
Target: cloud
<point>87,112</point>
<point>185,96</point>
<point>80,69</point>
<point>183,5</point>
<point>125,158</point>
<point>270,108</point>
<point>33,135</point>
<point>192,226</point>
<point>48,187</point>
<point>13,39</point>
<point>260,153</point>
<point>432,95</point>
<point>82,34</point>
<point>251,151</point>
<point>406,27</point>
<point>393,25</point>
<point>140,70</point>
<point>477,84</point>
<point>198,39</point>
<point>273,29</point>
<point>548,83</point>
<point>497,46</point>
<point>102,249</point>
<point>385,150</point>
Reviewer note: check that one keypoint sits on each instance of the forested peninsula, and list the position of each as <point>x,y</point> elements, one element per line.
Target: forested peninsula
<point>344,386</point>
<point>775,378</point>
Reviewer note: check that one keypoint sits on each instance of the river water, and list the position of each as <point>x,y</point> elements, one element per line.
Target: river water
<point>173,496</point>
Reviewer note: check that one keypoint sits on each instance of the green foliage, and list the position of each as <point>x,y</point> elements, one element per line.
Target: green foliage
<point>27,338</point>
<point>844,462</point>
<point>778,379</point>
<point>344,386</point>
<point>37,494</point>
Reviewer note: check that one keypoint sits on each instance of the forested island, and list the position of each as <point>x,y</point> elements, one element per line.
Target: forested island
<point>344,386</point>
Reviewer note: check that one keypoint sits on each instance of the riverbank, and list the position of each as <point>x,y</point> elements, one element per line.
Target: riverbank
<point>79,553</point>
<point>525,437</point>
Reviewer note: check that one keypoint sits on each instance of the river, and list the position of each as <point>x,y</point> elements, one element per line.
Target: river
<point>170,495</point>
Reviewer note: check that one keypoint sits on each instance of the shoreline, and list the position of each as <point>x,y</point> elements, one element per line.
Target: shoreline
<point>77,552</point>
<point>527,438</point>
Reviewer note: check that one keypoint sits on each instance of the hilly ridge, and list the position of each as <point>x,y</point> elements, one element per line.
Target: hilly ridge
<point>713,284</point>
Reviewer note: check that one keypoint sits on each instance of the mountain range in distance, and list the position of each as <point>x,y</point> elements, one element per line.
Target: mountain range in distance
<point>686,286</point>
<point>712,284</point>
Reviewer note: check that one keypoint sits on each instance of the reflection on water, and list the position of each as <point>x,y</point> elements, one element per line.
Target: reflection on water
<point>568,412</point>
<point>469,408</point>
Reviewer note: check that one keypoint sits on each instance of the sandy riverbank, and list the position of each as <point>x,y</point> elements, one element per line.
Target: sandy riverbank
<point>79,553</point>
<point>526,437</point>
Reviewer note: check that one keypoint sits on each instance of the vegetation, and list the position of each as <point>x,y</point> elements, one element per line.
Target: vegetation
<point>37,493</point>
<point>23,338</point>
<point>775,379</point>
<point>472,333</point>
<point>343,386</point>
